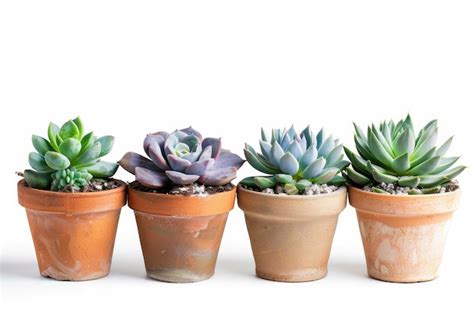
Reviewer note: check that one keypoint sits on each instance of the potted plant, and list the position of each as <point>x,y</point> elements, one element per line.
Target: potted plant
<point>181,197</point>
<point>72,203</point>
<point>403,190</point>
<point>291,215</point>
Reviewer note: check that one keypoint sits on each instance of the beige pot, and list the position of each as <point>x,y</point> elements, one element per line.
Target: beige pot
<point>403,236</point>
<point>291,236</point>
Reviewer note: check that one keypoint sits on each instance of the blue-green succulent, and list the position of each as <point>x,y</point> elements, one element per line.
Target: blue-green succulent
<point>295,160</point>
<point>393,153</point>
<point>68,158</point>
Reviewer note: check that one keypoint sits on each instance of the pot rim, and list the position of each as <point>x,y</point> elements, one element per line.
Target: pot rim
<point>341,190</point>
<point>404,205</point>
<point>122,186</point>
<point>71,203</point>
<point>291,208</point>
<point>361,191</point>
<point>181,205</point>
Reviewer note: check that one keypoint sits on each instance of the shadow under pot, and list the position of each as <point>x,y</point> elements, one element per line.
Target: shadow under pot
<point>291,236</point>
<point>403,236</point>
<point>180,235</point>
<point>73,233</point>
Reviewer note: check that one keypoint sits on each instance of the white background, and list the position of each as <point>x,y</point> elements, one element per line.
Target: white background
<point>227,68</point>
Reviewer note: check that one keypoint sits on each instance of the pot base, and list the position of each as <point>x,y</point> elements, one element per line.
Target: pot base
<point>403,280</point>
<point>305,275</point>
<point>178,276</point>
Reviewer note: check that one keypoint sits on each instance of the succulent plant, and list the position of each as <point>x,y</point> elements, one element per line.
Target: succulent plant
<point>296,161</point>
<point>180,158</point>
<point>68,158</point>
<point>393,154</point>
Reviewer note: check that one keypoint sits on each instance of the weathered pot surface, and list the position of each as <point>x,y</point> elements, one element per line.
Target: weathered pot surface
<point>180,235</point>
<point>403,236</point>
<point>291,236</point>
<point>73,233</point>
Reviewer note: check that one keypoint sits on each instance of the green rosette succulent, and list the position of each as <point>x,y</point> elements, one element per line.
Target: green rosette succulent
<point>393,154</point>
<point>296,161</point>
<point>68,158</point>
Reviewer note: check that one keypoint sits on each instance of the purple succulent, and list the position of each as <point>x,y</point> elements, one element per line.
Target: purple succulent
<point>182,157</point>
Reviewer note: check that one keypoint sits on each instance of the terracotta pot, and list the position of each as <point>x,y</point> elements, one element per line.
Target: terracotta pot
<point>291,236</point>
<point>403,236</point>
<point>73,233</point>
<point>180,235</point>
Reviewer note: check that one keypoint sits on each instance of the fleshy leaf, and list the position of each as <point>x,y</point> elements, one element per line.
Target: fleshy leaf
<point>88,156</point>
<point>227,159</point>
<point>308,157</point>
<point>56,160</point>
<point>425,167</point>
<point>69,130</point>
<point>215,143</point>
<point>325,176</point>
<point>157,156</point>
<point>289,164</point>
<point>53,130</point>
<point>357,177</point>
<point>70,148</point>
<point>153,138</point>
<point>401,163</point>
<point>191,131</point>
<point>265,182</point>
<point>150,178</point>
<point>178,164</point>
<point>257,164</point>
<point>37,180</point>
<point>200,167</point>
<point>408,181</point>
<point>276,154</point>
<point>405,143</point>
<point>38,163</point>
<point>106,144</point>
<point>219,176</point>
<point>130,161</point>
<point>315,168</point>
<point>181,178</point>
<point>103,169</point>
<point>41,144</point>
<point>284,179</point>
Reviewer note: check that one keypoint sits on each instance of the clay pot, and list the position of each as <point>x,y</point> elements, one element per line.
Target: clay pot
<point>403,236</point>
<point>291,236</point>
<point>73,233</point>
<point>180,235</point>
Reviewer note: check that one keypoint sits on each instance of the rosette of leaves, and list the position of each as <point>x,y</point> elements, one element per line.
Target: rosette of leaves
<point>295,161</point>
<point>182,157</point>
<point>393,153</point>
<point>68,158</point>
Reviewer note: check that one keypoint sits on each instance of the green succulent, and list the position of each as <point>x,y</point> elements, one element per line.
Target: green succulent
<point>393,154</point>
<point>296,161</point>
<point>68,158</point>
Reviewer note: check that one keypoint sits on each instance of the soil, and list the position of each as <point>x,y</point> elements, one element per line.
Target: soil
<point>314,189</point>
<point>185,190</point>
<point>398,190</point>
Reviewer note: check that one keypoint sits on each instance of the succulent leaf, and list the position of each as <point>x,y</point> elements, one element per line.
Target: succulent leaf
<point>38,163</point>
<point>289,164</point>
<point>106,144</point>
<point>103,169</point>
<point>412,161</point>
<point>41,144</point>
<point>150,178</point>
<point>56,160</point>
<point>37,180</point>
<point>70,147</point>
